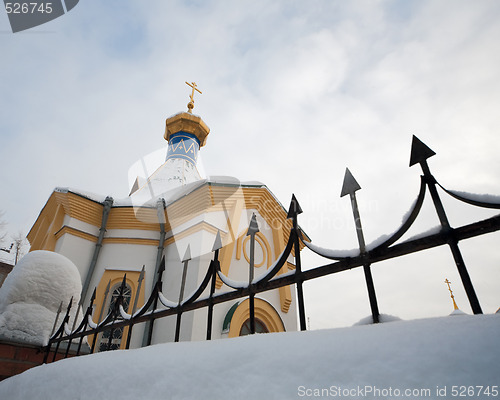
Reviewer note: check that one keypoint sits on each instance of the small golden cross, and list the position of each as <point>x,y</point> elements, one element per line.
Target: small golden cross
<point>191,103</point>
<point>451,293</point>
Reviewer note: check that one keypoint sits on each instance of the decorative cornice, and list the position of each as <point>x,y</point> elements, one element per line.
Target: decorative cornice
<point>75,232</point>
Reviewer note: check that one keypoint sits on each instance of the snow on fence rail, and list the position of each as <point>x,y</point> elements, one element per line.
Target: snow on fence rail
<point>384,249</point>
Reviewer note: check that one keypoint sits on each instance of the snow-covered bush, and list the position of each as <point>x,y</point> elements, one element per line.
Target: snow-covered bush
<point>32,293</point>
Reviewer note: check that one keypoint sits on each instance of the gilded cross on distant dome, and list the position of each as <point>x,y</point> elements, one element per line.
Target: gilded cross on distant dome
<point>451,293</point>
<point>191,103</point>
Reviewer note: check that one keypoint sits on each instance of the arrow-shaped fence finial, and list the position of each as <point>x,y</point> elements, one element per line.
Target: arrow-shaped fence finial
<point>419,151</point>
<point>254,226</point>
<point>294,208</point>
<point>350,184</point>
<point>218,242</point>
<point>124,283</point>
<point>187,254</point>
<point>92,298</point>
<point>141,275</point>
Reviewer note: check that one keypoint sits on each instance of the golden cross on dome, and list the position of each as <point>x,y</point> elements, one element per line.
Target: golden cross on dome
<point>451,293</point>
<point>191,103</point>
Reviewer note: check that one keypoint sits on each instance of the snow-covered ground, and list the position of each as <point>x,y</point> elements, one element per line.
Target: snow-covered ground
<point>430,358</point>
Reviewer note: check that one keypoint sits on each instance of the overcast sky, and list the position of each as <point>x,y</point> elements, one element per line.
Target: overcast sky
<point>293,91</point>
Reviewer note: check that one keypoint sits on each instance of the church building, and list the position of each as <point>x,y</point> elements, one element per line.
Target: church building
<point>173,214</point>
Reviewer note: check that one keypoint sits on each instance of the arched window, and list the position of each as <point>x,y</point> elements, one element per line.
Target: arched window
<point>260,327</point>
<point>237,320</point>
<point>115,334</point>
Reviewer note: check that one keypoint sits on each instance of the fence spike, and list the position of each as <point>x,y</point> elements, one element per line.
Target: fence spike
<point>77,314</point>
<point>141,275</point>
<point>92,298</point>
<point>57,317</point>
<point>187,254</point>
<point>213,267</point>
<point>254,226</point>
<point>119,300</point>
<point>139,285</point>
<point>252,231</point>
<point>294,208</point>
<point>124,282</point>
<point>350,184</point>
<point>105,297</point>
<point>106,290</point>
<point>218,242</point>
<point>134,305</point>
<point>185,261</point>
<point>419,151</point>
<point>90,308</point>
<point>70,304</point>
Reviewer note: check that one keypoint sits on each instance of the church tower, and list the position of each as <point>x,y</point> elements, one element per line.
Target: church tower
<point>185,133</point>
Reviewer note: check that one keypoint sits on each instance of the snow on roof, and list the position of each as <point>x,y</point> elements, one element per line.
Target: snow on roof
<point>403,355</point>
<point>89,195</point>
<point>169,196</point>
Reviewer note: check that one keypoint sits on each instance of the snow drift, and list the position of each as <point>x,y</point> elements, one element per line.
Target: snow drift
<point>439,354</point>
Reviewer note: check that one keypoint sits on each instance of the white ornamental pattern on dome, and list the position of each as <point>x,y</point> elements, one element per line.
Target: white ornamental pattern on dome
<point>183,145</point>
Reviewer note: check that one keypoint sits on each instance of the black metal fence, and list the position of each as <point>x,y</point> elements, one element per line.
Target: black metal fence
<point>118,318</point>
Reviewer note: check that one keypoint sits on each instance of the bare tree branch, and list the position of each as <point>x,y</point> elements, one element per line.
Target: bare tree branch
<point>2,227</point>
<point>20,244</point>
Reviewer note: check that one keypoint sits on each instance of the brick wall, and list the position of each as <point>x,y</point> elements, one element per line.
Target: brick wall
<point>16,358</point>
